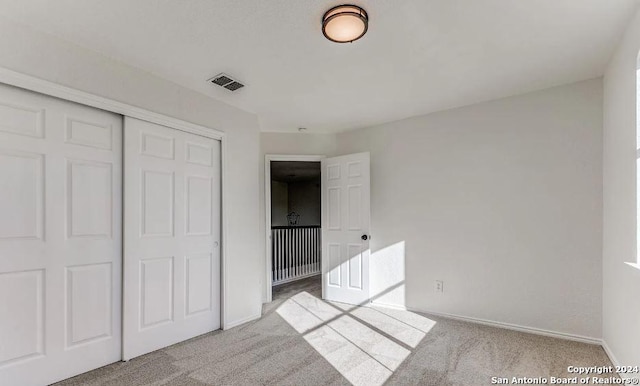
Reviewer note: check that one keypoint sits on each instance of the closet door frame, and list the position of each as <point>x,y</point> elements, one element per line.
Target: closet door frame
<point>31,83</point>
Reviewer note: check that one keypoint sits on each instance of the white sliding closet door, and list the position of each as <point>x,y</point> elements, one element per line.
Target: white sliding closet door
<point>172,235</point>
<point>60,238</point>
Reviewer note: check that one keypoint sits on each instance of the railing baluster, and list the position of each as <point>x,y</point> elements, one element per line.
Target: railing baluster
<point>285,255</point>
<point>311,249</point>
<point>290,244</point>
<point>298,253</point>
<point>279,233</point>
<point>305,253</point>
<point>309,231</point>
<point>310,260</point>
<point>290,256</point>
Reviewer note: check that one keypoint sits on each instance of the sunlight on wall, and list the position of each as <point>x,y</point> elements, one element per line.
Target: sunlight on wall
<point>387,270</point>
<point>366,345</point>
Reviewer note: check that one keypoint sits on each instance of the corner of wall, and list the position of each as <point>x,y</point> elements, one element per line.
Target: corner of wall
<point>621,283</point>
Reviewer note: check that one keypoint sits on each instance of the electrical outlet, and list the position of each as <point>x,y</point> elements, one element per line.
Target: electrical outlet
<point>439,286</point>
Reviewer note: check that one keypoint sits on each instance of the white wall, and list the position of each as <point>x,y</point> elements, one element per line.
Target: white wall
<point>621,297</point>
<point>43,56</point>
<point>279,203</point>
<point>286,144</point>
<point>304,199</point>
<point>300,197</point>
<point>500,200</point>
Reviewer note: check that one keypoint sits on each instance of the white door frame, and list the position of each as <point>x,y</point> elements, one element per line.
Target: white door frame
<point>267,204</point>
<point>31,83</point>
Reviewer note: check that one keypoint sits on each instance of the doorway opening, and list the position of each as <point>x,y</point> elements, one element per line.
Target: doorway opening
<point>293,200</point>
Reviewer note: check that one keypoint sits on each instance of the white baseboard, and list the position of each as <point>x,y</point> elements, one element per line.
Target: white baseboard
<point>238,322</point>
<point>508,326</point>
<point>609,353</point>
<point>616,362</point>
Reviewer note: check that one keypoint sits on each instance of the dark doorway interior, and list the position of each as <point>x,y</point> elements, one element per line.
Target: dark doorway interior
<point>295,220</point>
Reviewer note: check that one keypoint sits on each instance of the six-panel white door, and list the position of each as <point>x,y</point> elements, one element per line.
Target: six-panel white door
<point>60,238</point>
<point>172,235</point>
<point>345,228</point>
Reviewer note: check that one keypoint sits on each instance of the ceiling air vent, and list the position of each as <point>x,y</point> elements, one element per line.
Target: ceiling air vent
<point>224,80</point>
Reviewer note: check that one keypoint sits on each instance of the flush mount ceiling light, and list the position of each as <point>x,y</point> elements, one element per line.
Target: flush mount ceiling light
<point>345,23</point>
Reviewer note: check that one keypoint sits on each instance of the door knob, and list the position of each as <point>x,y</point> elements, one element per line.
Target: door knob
<point>365,237</point>
<point>215,244</point>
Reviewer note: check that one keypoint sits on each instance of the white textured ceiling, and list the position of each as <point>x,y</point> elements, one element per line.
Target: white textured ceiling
<point>419,56</point>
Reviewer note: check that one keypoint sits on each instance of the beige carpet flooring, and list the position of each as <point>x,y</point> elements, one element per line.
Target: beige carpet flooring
<point>302,340</point>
